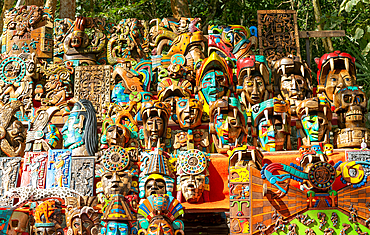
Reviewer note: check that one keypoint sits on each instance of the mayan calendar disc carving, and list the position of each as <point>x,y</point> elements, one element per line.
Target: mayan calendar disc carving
<point>115,158</point>
<point>193,162</point>
<point>12,70</point>
<point>322,175</point>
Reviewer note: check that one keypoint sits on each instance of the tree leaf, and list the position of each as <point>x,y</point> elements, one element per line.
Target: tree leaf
<point>367,49</point>
<point>359,33</point>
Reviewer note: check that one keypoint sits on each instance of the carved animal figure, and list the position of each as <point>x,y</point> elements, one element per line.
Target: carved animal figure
<point>334,219</point>
<point>328,231</point>
<point>46,208</point>
<point>26,194</point>
<point>262,228</point>
<point>344,229</point>
<point>279,222</point>
<point>322,218</point>
<point>292,229</point>
<point>304,219</point>
<point>310,231</point>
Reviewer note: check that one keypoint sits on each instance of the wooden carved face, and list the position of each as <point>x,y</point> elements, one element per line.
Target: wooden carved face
<point>116,228</point>
<point>254,88</point>
<point>160,226</point>
<point>116,182</point>
<point>336,80</point>
<point>192,187</point>
<point>189,112</point>
<point>228,128</point>
<point>272,134</point>
<point>350,106</point>
<point>83,221</point>
<point>15,135</point>
<point>154,127</point>
<point>315,126</point>
<point>155,186</point>
<point>117,135</point>
<point>293,87</point>
<point>49,231</point>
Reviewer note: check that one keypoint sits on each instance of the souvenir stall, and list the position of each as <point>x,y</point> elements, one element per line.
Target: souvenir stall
<point>155,128</point>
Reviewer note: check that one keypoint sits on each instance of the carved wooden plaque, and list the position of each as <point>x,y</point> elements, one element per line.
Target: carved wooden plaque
<point>9,169</point>
<point>59,168</point>
<point>93,83</point>
<point>34,169</point>
<point>82,179</point>
<point>278,33</point>
<point>39,41</point>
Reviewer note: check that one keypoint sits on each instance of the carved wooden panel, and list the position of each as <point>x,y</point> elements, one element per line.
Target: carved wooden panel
<point>39,41</point>
<point>82,179</point>
<point>59,168</point>
<point>34,169</point>
<point>278,33</point>
<point>92,83</point>
<point>9,168</point>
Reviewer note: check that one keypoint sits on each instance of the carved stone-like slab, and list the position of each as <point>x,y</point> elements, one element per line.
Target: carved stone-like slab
<point>59,168</point>
<point>39,41</point>
<point>82,179</point>
<point>278,33</point>
<point>92,83</point>
<point>34,169</point>
<point>9,168</point>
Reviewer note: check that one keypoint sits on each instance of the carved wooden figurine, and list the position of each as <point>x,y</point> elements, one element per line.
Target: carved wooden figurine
<point>192,176</point>
<point>292,80</point>
<point>160,212</point>
<point>227,124</point>
<point>315,116</point>
<point>12,131</point>
<point>155,117</point>
<point>234,41</point>
<point>213,80</point>
<point>80,131</point>
<point>336,71</point>
<point>271,125</point>
<point>41,134</point>
<point>255,78</point>
<point>351,106</point>
<point>49,218</point>
<point>156,173</point>
<point>81,217</point>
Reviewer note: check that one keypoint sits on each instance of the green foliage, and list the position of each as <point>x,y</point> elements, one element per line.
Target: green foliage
<point>348,15</point>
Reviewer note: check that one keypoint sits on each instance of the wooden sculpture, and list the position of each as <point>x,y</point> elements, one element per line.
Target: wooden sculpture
<point>227,124</point>
<point>192,176</point>
<point>292,80</point>
<point>351,106</point>
<point>271,125</point>
<point>315,116</point>
<point>336,71</point>
<point>255,77</point>
<point>80,131</point>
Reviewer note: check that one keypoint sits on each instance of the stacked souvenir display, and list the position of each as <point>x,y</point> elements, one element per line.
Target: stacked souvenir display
<point>124,128</point>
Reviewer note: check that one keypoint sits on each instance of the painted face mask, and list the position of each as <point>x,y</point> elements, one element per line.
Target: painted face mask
<point>73,129</point>
<point>211,85</point>
<point>227,127</point>
<point>315,116</point>
<point>117,228</point>
<point>189,112</point>
<point>266,135</point>
<point>311,127</point>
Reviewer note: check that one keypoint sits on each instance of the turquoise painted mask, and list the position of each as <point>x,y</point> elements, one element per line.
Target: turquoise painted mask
<point>311,127</point>
<point>115,228</point>
<point>213,85</point>
<point>266,135</point>
<point>119,95</point>
<point>74,127</point>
